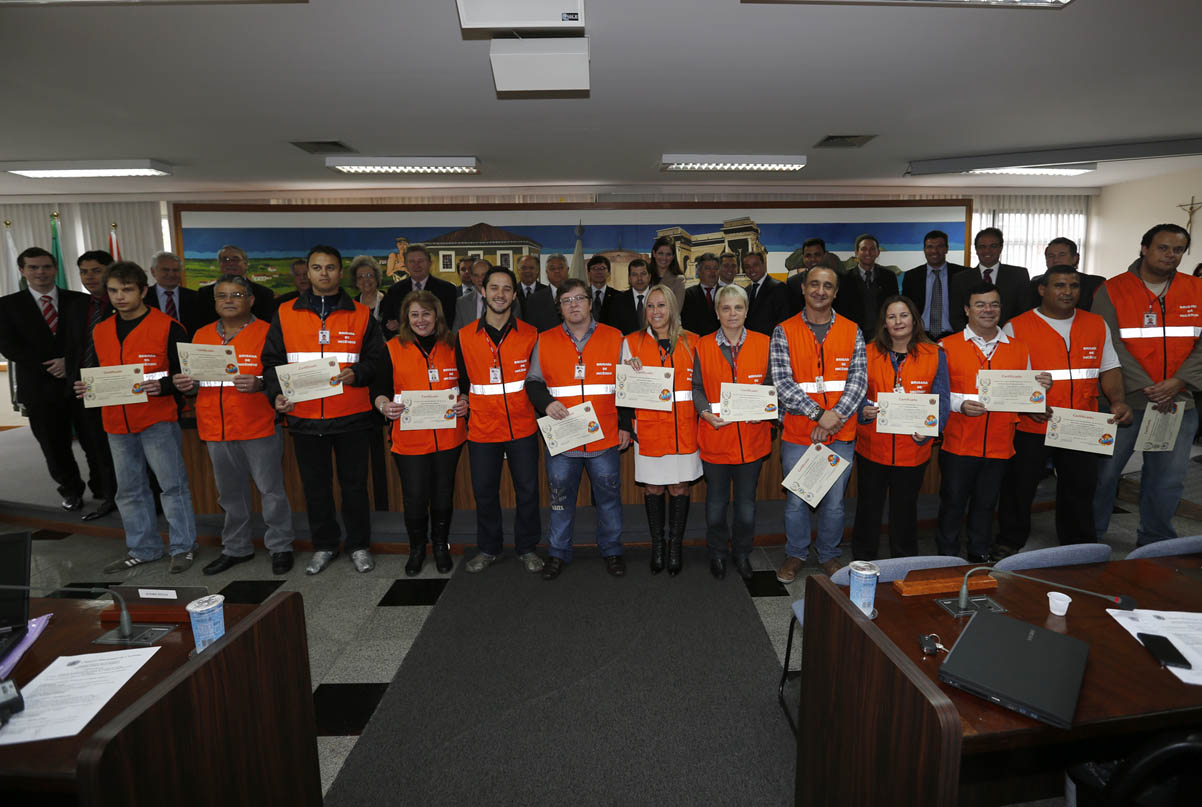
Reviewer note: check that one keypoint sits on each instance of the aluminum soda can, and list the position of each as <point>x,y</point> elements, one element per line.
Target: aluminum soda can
<point>864,576</point>
<point>208,619</point>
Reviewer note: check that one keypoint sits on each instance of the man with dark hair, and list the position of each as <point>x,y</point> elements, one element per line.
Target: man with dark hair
<point>463,268</point>
<point>697,314</point>
<point>528,282</point>
<point>728,268</point>
<point>542,309</point>
<point>929,285</point>
<point>865,287</point>
<point>326,322</point>
<point>813,253</point>
<point>147,432</point>
<point>1063,252</point>
<point>102,480</point>
<point>601,293</point>
<point>767,305</point>
<point>628,304</point>
<point>1012,282</point>
<point>470,307</point>
<point>169,296</point>
<point>417,264</point>
<point>1155,316</point>
<point>232,260</point>
<point>300,279</point>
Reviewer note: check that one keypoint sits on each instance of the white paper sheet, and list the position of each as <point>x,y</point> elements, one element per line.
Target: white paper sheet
<point>1182,628</point>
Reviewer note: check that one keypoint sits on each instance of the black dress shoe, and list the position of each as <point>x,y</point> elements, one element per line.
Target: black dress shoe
<point>1000,551</point>
<point>224,562</point>
<point>552,568</point>
<point>977,559</point>
<point>72,503</point>
<point>103,509</point>
<point>615,565</point>
<point>718,567</point>
<point>281,562</point>
<point>743,566</point>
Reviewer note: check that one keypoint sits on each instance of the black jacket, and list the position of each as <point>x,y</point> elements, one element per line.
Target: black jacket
<point>390,306</point>
<point>26,341</point>
<point>697,315</point>
<point>770,307</point>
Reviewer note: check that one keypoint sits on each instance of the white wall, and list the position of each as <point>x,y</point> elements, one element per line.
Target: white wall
<point>1124,212</point>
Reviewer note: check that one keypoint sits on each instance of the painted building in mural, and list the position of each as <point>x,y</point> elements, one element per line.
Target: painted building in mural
<point>498,247</point>
<point>740,236</point>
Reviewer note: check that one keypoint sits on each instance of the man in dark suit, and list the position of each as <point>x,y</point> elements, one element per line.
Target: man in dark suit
<point>528,283</point>
<point>1013,282</point>
<point>39,328</point>
<point>813,253</point>
<point>167,295</point>
<point>542,309</point>
<point>300,279</point>
<point>697,313</point>
<point>417,264</point>
<point>1063,252</point>
<point>865,287</point>
<point>930,285</point>
<point>232,260</point>
<point>767,305</point>
<point>602,295</point>
<point>470,307</point>
<point>629,304</point>
<point>102,479</point>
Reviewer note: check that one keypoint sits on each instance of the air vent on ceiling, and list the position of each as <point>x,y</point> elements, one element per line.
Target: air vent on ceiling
<point>323,146</point>
<point>843,141</point>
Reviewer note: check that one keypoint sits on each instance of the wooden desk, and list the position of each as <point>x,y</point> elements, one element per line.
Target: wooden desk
<point>231,725</point>
<point>877,726</point>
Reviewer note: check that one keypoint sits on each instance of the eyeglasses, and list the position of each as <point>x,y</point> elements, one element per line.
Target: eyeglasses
<point>234,295</point>
<point>573,300</point>
<point>232,259</point>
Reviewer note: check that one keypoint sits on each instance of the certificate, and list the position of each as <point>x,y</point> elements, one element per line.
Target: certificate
<point>908,413</point>
<point>1081,430</point>
<point>1158,431</point>
<point>579,427</point>
<point>1011,391</point>
<point>427,409</point>
<point>116,385</point>
<point>649,388</point>
<point>309,380</point>
<point>744,402</point>
<point>207,362</point>
<point>814,474</point>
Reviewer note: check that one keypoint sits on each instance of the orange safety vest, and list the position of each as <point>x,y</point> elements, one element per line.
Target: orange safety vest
<point>223,413</point>
<point>1074,370</point>
<point>1160,348</point>
<point>674,431</point>
<point>738,442</point>
<point>146,345</point>
<point>300,328</point>
<point>991,434</point>
<point>830,361</point>
<point>558,361</point>
<point>413,370</point>
<point>917,375</point>
<point>499,407</point>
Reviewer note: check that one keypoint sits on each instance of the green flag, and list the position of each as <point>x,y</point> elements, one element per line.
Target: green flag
<point>56,250</point>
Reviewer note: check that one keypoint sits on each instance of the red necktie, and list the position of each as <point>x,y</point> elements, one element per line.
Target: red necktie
<point>49,313</point>
<point>987,274</point>
<point>709,297</point>
<point>169,309</point>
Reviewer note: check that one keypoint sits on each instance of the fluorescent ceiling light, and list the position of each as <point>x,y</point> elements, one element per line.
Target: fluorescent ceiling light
<point>1039,170</point>
<point>73,169</point>
<point>1044,4</point>
<point>732,162</point>
<point>350,164</point>
<point>1066,157</point>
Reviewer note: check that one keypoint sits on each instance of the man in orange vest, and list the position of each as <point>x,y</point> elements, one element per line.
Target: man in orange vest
<point>326,322</point>
<point>820,372</point>
<point>494,358</point>
<point>238,426</point>
<point>574,364</point>
<point>146,432</point>
<point>1155,314</point>
<point>1076,348</point>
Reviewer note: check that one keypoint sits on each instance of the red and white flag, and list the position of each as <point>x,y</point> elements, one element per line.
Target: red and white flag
<point>114,247</point>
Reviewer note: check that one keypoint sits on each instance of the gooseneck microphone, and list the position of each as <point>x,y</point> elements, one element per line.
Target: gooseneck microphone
<point>1121,601</point>
<point>125,626</point>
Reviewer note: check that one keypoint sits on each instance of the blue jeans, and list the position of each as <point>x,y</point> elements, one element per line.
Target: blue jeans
<point>719,477</point>
<point>1160,482</point>
<point>829,522</point>
<point>162,446</point>
<point>563,481</point>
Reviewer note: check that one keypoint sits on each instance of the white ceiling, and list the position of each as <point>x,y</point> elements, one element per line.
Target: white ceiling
<point>218,91</point>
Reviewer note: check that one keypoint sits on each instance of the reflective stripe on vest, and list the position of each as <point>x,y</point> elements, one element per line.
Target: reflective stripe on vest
<point>214,383</point>
<point>682,395</point>
<point>498,389</point>
<point>583,389</point>
<point>1074,374</point>
<point>827,386</point>
<point>154,376</point>
<point>343,358</point>
<point>1158,333</point>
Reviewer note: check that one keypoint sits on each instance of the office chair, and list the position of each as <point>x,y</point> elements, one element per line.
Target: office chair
<point>1174,546</point>
<point>1164,772</point>
<point>891,569</point>
<point>1067,555</point>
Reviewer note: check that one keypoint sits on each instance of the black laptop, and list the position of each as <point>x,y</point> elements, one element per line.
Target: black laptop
<point>16,548</point>
<point>1033,671</point>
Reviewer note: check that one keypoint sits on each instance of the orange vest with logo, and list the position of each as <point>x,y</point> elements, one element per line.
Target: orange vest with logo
<point>302,342</point>
<point>830,361</point>
<point>558,361</point>
<point>1074,370</point>
<point>991,434</point>
<point>145,345</point>
<point>499,409</point>
<point>916,375</point>
<point>738,442</point>
<point>223,413</point>
<point>1160,348</point>
<point>413,370</point>
<point>674,431</point>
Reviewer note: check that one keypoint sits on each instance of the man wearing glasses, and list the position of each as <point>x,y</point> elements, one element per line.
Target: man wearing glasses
<point>231,260</point>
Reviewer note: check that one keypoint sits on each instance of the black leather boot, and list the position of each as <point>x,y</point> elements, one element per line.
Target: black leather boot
<point>656,504</point>
<point>678,516</point>
<point>416,527</point>
<point>440,533</point>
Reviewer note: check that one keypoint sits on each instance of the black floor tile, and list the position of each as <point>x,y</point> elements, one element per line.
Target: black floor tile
<point>344,709</point>
<point>413,592</point>
<point>79,595</point>
<point>50,535</point>
<point>765,584</point>
<point>249,592</point>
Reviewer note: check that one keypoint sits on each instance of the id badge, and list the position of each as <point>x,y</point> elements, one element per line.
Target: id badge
<point>433,373</point>
<point>494,375</point>
<point>579,372</point>
<point>898,387</point>
<point>1150,319</point>
<point>821,385</point>
<point>323,337</point>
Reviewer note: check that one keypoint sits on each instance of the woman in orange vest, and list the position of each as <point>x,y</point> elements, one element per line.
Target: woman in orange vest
<point>422,358</point>
<point>666,455</point>
<point>731,452</point>
<point>901,358</point>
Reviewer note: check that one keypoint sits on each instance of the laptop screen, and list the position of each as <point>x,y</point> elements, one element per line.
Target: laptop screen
<point>15,551</point>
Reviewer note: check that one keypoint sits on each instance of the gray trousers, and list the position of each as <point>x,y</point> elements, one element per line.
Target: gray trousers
<point>262,458</point>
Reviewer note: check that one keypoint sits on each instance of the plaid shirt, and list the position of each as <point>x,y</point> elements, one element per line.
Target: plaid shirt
<point>794,400</point>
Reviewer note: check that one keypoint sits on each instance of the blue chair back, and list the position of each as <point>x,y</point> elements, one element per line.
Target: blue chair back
<point>1067,555</point>
<point>897,568</point>
<point>1191,545</point>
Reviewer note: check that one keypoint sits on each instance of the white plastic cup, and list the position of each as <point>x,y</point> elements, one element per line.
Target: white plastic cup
<point>1058,603</point>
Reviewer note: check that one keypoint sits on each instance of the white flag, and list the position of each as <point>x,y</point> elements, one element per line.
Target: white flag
<point>10,279</point>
